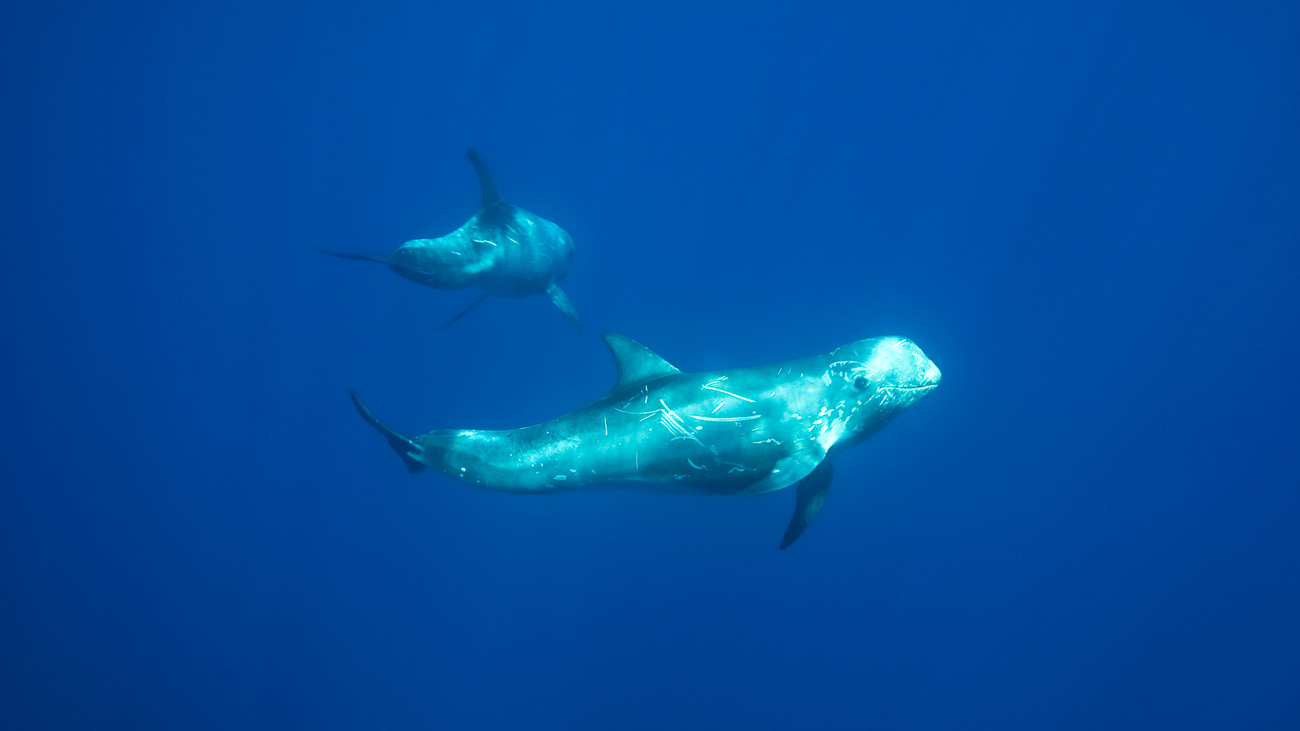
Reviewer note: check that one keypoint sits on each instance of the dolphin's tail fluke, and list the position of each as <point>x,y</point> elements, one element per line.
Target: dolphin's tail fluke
<point>381,258</point>
<point>408,450</point>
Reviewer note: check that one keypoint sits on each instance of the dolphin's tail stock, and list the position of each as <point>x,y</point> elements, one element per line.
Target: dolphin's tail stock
<point>409,451</point>
<point>380,258</point>
<point>469,455</point>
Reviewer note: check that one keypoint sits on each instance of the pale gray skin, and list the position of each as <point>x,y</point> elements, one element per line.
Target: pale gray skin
<point>503,250</point>
<point>745,431</point>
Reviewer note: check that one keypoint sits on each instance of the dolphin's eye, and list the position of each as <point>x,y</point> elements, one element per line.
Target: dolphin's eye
<point>860,382</point>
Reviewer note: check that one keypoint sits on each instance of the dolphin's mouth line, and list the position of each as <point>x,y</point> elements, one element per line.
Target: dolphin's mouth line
<point>929,387</point>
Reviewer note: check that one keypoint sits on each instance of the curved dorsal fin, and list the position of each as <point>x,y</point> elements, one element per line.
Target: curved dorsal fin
<point>636,363</point>
<point>490,193</point>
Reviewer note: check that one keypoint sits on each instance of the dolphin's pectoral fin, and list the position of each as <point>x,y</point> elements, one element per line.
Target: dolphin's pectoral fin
<point>489,188</point>
<point>405,448</point>
<point>787,471</point>
<point>809,499</point>
<point>635,362</point>
<point>561,300</point>
<point>477,301</point>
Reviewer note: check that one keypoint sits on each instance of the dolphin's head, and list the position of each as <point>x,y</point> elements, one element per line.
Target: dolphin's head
<point>872,381</point>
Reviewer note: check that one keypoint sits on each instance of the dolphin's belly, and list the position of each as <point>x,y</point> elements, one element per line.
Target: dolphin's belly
<point>595,450</point>
<point>665,439</point>
<point>599,462</point>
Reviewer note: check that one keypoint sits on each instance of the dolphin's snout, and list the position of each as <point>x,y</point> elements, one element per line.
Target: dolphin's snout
<point>927,374</point>
<point>931,376</point>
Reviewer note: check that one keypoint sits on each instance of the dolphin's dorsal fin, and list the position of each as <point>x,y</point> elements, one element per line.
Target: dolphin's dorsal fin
<point>636,363</point>
<point>491,195</point>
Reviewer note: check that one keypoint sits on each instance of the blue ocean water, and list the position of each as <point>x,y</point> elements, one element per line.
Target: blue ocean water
<point>1087,214</point>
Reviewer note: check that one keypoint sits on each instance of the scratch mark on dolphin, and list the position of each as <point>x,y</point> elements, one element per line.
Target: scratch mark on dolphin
<point>712,387</point>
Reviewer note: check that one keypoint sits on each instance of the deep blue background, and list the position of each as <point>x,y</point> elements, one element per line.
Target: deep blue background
<point>1088,215</point>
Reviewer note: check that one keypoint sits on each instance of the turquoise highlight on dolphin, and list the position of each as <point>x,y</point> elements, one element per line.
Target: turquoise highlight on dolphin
<point>502,250</point>
<point>744,431</point>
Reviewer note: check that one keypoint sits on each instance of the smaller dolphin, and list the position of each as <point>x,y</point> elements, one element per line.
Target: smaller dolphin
<point>504,250</point>
<point>745,431</point>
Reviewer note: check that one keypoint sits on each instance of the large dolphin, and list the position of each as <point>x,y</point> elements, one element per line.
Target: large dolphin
<point>504,250</point>
<point>745,431</point>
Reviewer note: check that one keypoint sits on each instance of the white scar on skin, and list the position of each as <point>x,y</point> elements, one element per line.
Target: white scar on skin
<point>712,387</point>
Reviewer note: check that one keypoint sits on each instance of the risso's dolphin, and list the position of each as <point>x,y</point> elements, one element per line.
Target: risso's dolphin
<point>504,250</point>
<point>746,431</point>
